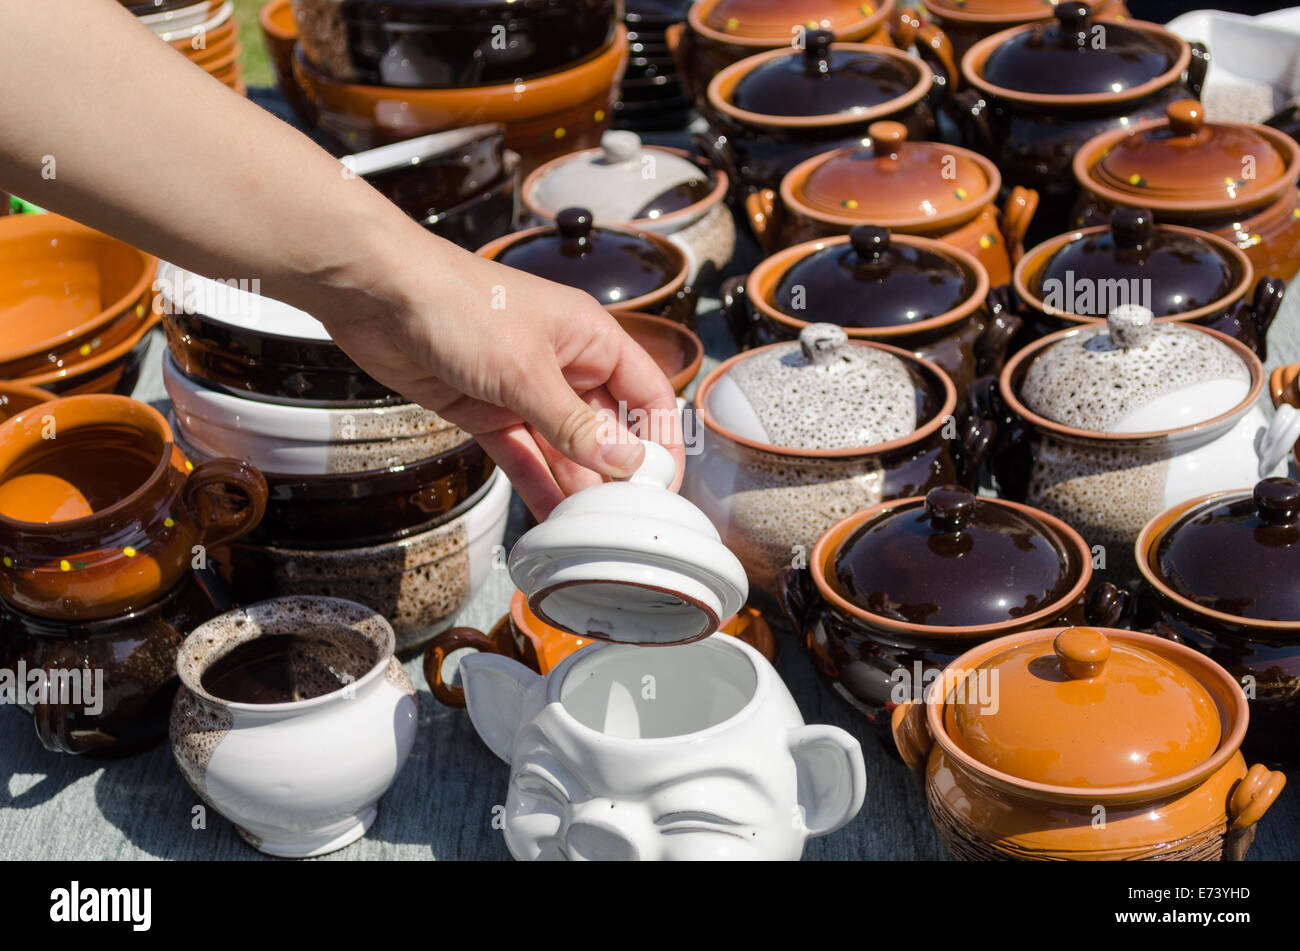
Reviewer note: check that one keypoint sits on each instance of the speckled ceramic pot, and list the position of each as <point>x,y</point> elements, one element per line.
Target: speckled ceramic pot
<point>1144,734</point>
<point>301,768</point>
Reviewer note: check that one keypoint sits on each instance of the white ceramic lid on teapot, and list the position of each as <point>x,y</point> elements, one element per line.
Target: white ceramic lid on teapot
<point>630,561</point>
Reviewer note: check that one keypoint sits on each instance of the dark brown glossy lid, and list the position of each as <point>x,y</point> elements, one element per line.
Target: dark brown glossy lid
<point>1075,54</point>
<point>676,198</point>
<point>612,266</point>
<point>873,281</point>
<point>953,560</point>
<point>1181,271</point>
<point>1240,555</point>
<point>820,80</point>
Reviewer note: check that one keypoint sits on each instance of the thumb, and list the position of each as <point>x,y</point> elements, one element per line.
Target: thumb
<point>591,437</point>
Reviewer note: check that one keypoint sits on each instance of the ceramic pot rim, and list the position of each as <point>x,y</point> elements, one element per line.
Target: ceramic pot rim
<point>221,13</point>
<point>822,554</point>
<point>87,367</point>
<point>268,16</point>
<point>729,76</point>
<point>695,21</point>
<point>917,436</point>
<point>1193,662</point>
<point>1012,400</point>
<point>801,172</point>
<point>964,16</point>
<point>1155,530</point>
<point>682,378</point>
<point>493,249</point>
<point>350,609</point>
<point>118,309</point>
<point>1090,153</point>
<point>763,688</point>
<point>98,410</point>
<point>15,388</point>
<point>775,266</point>
<point>973,62</point>
<point>1040,253</point>
<point>721,185</point>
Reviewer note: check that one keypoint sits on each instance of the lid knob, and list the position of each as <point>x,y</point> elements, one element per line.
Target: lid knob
<point>822,343</point>
<point>817,51</point>
<point>1131,228</point>
<point>870,242</point>
<point>657,468</point>
<point>1082,652</point>
<point>887,137</point>
<point>1185,116</point>
<point>574,224</point>
<point>1278,501</point>
<point>1131,325</point>
<point>1072,18</point>
<point>620,145</point>
<point>949,507</point>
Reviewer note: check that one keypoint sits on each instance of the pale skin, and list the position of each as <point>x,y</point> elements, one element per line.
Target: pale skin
<point>149,148</point>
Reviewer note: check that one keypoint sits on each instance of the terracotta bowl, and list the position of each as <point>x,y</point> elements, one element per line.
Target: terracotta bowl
<point>677,350</point>
<point>544,117</point>
<point>67,294</point>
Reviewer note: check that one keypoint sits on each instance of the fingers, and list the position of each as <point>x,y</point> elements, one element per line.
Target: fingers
<point>518,455</point>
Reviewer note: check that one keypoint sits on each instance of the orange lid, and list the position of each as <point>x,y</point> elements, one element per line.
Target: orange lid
<point>996,9</point>
<point>1082,710</point>
<point>761,19</point>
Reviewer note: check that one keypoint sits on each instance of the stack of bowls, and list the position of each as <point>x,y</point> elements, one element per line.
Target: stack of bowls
<point>369,497</point>
<point>206,31</point>
<point>76,306</point>
<point>374,73</point>
<point>654,97</point>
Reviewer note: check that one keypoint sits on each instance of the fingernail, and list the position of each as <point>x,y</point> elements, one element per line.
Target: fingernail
<point>624,455</point>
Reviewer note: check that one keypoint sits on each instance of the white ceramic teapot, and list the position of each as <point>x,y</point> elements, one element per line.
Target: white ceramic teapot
<point>695,751</point>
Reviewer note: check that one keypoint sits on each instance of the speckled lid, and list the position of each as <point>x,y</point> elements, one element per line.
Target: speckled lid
<point>955,560</point>
<point>1135,375</point>
<point>820,393</point>
<point>1239,554</point>
<point>873,281</point>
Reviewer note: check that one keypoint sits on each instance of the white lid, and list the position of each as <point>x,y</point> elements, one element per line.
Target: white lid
<point>630,561</point>
<point>235,305</point>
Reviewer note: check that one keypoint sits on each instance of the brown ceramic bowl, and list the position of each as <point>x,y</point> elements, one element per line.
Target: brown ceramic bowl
<point>545,116</point>
<point>677,350</point>
<point>106,517</point>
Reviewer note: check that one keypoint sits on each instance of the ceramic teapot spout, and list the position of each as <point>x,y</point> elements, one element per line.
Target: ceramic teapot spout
<point>495,688</point>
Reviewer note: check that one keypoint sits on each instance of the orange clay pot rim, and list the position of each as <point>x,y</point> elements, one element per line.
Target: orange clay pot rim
<point>682,378</point>
<point>1189,660</point>
<point>940,12</point>
<point>276,18</point>
<point>732,74</point>
<point>1093,151</point>
<point>98,362</point>
<point>1214,422</point>
<point>1039,255</point>
<point>800,173</point>
<point>972,64</point>
<point>721,183</point>
<point>658,296</point>
<point>224,61</point>
<point>1150,537</point>
<point>918,435</point>
<point>822,555</point>
<point>695,21</point>
<point>99,411</point>
<point>597,64</point>
<point>65,227</point>
<point>779,263</point>
<point>17,388</point>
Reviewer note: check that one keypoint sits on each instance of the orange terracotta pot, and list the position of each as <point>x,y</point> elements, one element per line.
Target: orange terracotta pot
<point>223,33</point>
<point>110,369</point>
<point>677,350</point>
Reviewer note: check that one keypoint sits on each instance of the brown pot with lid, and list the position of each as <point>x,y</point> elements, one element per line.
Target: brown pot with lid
<point>917,293</point>
<point>966,22</point>
<point>1234,179</point>
<point>1026,740</point>
<point>1220,576</point>
<point>1180,274</point>
<point>892,594</point>
<point>921,188</point>
<point>622,268</point>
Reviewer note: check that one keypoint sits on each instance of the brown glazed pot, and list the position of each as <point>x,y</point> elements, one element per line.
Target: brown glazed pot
<point>624,269</point>
<point>1112,260</point>
<point>135,651</point>
<point>877,659</point>
<point>1219,576</point>
<point>101,513</point>
<point>1189,798</point>
<point>919,188</point>
<point>967,339</point>
<point>16,397</point>
<point>763,122</point>
<point>966,22</point>
<point>1234,179</point>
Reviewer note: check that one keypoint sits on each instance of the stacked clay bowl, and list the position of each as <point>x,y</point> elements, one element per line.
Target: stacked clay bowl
<point>205,31</point>
<point>369,497</point>
<point>654,97</point>
<point>75,306</point>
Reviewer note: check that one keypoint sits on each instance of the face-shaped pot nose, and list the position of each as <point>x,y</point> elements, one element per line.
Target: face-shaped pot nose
<point>600,831</point>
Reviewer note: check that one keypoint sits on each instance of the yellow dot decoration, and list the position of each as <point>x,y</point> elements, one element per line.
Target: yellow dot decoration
<point>189,466</point>
<point>85,349</point>
<point>600,115</point>
<point>960,193</point>
<point>1295,212</point>
<point>128,551</point>
<point>64,566</point>
<point>9,562</point>
<point>732,23</point>
<point>559,133</point>
<point>986,241</point>
<point>850,203</point>
<point>169,522</point>
<point>139,310</point>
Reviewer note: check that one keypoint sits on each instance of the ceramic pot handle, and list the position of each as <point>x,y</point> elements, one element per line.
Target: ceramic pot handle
<point>735,310</point>
<point>911,734</point>
<point>221,524</point>
<point>999,330</point>
<point>1017,215</point>
<point>1105,605</point>
<point>1264,307</point>
<point>52,719</point>
<point>1284,384</point>
<point>970,112</point>
<point>717,150</point>
<point>1256,792</point>
<point>1011,458</point>
<point>449,641</point>
<point>932,45</point>
<point>1199,65</point>
<point>797,594</point>
<point>975,445</point>
<point>1161,629</point>
<point>765,214</point>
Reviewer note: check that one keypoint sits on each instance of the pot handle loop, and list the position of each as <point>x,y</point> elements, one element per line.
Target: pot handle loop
<point>1000,329</point>
<point>975,445</point>
<point>798,596</point>
<point>1017,215</point>
<point>220,524</point>
<point>1284,384</point>
<point>911,734</point>
<point>449,641</point>
<point>1197,67</point>
<point>932,45</point>
<point>1105,605</point>
<point>765,214</point>
<point>1279,440</point>
<point>735,309</point>
<point>1256,792</point>
<point>52,717</point>
<point>971,113</point>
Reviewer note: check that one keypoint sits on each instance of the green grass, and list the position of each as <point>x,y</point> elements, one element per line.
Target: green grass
<point>253,64</point>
